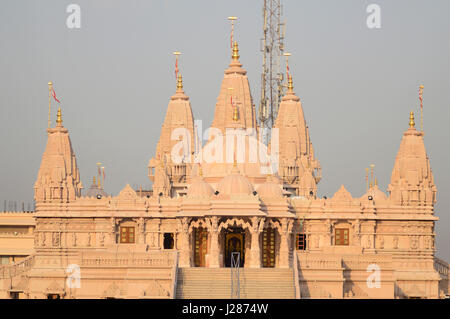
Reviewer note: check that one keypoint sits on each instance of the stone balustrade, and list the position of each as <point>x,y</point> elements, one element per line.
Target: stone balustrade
<point>10,271</point>
<point>441,267</point>
<point>150,260</point>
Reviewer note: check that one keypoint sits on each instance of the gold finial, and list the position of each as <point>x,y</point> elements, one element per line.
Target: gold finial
<point>235,55</point>
<point>94,181</point>
<point>179,82</point>
<point>58,117</point>
<point>99,185</point>
<point>376,182</point>
<point>200,171</point>
<point>290,84</point>
<point>411,119</point>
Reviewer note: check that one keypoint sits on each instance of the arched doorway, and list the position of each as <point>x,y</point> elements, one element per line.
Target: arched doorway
<point>268,247</point>
<point>234,242</point>
<point>200,246</point>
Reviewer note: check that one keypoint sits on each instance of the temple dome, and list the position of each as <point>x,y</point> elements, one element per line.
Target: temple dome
<point>270,189</point>
<point>235,184</point>
<point>95,190</point>
<point>376,193</point>
<point>199,189</point>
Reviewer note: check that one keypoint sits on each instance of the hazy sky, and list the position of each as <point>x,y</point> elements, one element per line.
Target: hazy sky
<point>115,75</point>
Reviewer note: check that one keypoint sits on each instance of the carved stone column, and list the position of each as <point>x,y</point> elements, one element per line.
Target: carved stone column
<point>214,240</point>
<point>141,230</point>
<point>185,249</point>
<point>286,230</point>
<point>112,234</point>
<point>255,251</point>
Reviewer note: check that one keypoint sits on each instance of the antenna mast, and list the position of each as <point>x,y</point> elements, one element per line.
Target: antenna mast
<point>272,77</point>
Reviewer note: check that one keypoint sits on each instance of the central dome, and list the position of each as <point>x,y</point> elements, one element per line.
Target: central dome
<point>235,184</point>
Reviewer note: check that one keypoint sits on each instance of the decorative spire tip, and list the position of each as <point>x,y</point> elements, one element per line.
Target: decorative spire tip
<point>58,117</point>
<point>179,82</point>
<point>235,55</point>
<point>411,119</point>
<point>290,84</point>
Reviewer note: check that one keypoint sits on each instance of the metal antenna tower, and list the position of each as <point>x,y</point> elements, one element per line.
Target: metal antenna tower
<point>272,77</point>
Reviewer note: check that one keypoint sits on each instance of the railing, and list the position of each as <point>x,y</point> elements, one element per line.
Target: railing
<point>296,282</point>
<point>128,260</point>
<point>441,267</point>
<point>311,261</point>
<point>9,271</point>
<point>235,281</point>
<point>173,293</point>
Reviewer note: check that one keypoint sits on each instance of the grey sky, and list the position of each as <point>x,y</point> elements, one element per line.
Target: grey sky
<point>115,76</point>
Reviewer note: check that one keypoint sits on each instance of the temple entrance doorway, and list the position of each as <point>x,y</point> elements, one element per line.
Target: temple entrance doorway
<point>268,247</point>
<point>200,248</point>
<point>234,242</point>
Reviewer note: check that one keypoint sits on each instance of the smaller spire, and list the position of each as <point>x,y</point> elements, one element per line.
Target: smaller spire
<point>94,181</point>
<point>235,55</point>
<point>411,120</point>
<point>179,83</point>
<point>58,117</point>
<point>290,84</point>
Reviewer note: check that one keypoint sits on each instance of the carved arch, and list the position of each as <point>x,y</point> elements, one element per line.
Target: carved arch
<point>234,222</point>
<point>197,224</point>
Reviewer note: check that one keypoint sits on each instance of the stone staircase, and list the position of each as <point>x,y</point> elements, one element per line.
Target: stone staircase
<point>215,283</point>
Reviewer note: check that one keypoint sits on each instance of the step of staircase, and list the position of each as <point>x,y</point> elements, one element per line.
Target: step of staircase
<point>255,283</point>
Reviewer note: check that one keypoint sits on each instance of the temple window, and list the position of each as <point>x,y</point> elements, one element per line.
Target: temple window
<point>300,241</point>
<point>341,237</point>
<point>168,241</point>
<point>127,235</point>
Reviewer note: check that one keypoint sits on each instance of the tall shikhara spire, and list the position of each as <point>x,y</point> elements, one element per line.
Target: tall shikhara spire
<point>412,181</point>
<point>242,113</point>
<point>58,178</point>
<point>298,166</point>
<point>165,171</point>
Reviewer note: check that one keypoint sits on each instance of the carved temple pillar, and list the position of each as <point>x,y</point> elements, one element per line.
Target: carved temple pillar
<point>214,253</point>
<point>255,250</point>
<point>286,229</point>
<point>185,248</point>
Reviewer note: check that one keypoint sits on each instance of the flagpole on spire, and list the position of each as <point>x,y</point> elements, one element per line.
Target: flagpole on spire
<point>232,19</point>
<point>49,102</point>
<point>287,55</point>
<point>421,106</point>
<point>367,179</point>
<point>103,177</point>
<point>372,166</point>
<point>99,173</point>
<point>176,53</point>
